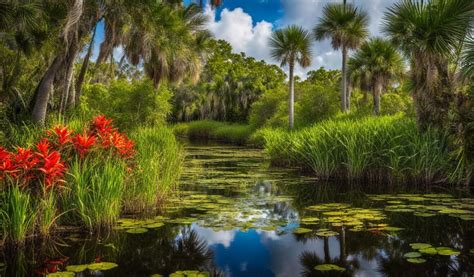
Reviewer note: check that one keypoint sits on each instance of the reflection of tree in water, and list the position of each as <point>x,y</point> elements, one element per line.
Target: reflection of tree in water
<point>162,254</point>
<point>310,259</point>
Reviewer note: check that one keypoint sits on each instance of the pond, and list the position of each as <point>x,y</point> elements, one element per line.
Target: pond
<point>236,216</point>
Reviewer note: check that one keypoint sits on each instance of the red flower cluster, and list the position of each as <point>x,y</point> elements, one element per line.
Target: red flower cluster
<point>46,162</point>
<point>110,138</point>
<point>27,165</point>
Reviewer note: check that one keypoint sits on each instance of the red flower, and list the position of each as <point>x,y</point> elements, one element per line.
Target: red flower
<point>101,125</point>
<point>52,168</point>
<point>83,143</point>
<point>25,161</point>
<point>7,167</point>
<point>123,145</point>
<point>4,154</point>
<point>62,134</point>
<point>43,147</point>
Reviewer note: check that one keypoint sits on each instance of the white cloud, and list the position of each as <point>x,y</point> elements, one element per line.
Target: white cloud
<point>237,27</point>
<point>211,237</point>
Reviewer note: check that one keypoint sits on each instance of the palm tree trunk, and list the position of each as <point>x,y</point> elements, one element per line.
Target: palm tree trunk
<point>349,94</point>
<point>69,64</point>
<point>292,96</point>
<point>41,99</point>
<point>344,79</point>
<point>85,64</point>
<point>377,93</point>
<point>327,255</point>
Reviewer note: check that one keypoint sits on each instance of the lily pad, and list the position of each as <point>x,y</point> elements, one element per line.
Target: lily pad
<point>155,225</point>
<point>428,250</point>
<point>417,245</point>
<point>416,260</point>
<point>326,233</point>
<point>412,255</point>
<point>446,251</point>
<point>329,267</point>
<point>102,266</point>
<point>61,274</point>
<point>137,230</point>
<point>301,230</point>
<point>77,268</point>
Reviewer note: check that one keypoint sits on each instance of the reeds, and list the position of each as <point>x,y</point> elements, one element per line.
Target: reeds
<point>159,161</point>
<point>375,148</point>
<point>95,193</point>
<point>215,130</point>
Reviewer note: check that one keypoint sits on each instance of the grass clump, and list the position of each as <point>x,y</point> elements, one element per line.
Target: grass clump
<point>96,190</point>
<point>215,130</point>
<point>375,148</point>
<point>159,160</point>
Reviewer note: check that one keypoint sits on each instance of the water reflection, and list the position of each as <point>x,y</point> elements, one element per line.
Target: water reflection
<point>236,217</point>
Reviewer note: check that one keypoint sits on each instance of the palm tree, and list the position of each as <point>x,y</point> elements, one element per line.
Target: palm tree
<point>290,46</point>
<point>346,26</point>
<point>171,48</point>
<point>429,33</point>
<point>380,62</point>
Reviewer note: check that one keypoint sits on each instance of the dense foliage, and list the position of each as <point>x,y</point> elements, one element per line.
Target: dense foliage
<point>230,84</point>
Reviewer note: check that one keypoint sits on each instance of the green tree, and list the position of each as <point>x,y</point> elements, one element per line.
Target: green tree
<point>346,26</point>
<point>381,63</point>
<point>429,34</point>
<point>289,46</point>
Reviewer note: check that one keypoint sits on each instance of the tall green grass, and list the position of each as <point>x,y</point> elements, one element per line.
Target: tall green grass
<point>159,162</point>
<point>17,215</point>
<point>95,190</point>
<point>215,130</point>
<point>388,148</point>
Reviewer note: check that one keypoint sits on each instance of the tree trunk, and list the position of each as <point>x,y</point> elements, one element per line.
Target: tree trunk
<point>349,94</point>
<point>327,255</point>
<point>66,86</point>
<point>40,107</point>
<point>377,93</point>
<point>292,96</point>
<point>85,64</point>
<point>344,79</point>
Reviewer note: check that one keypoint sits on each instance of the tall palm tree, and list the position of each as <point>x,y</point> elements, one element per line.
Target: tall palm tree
<point>346,26</point>
<point>380,62</point>
<point>429,33</point>
<point>289,46</point>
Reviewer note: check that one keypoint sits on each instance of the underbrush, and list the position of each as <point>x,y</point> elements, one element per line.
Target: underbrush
<point>388,148</point>
<point>215,130</point>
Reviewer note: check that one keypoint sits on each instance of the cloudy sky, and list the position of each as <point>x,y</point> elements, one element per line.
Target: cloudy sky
<point>248,24</point>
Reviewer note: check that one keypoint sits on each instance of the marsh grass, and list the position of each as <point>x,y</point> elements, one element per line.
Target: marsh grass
<point>95,193</point>
<point>18,215</point>
<point>159,162</point>
<point>215,130</point>
<point>388,148</point>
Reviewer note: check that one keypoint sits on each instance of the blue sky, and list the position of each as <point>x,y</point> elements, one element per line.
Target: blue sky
<point>248,24</point>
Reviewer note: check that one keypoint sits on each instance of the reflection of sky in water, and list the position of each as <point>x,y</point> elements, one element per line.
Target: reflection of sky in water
<point>262,253</point>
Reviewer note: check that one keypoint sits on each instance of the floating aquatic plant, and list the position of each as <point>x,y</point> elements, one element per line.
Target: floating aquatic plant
<point>329,267</point>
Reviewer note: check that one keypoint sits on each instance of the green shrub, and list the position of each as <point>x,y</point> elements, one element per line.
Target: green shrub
<point>130,104</point>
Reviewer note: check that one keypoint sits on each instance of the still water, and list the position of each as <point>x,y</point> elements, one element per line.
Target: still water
<point>236,216</point>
